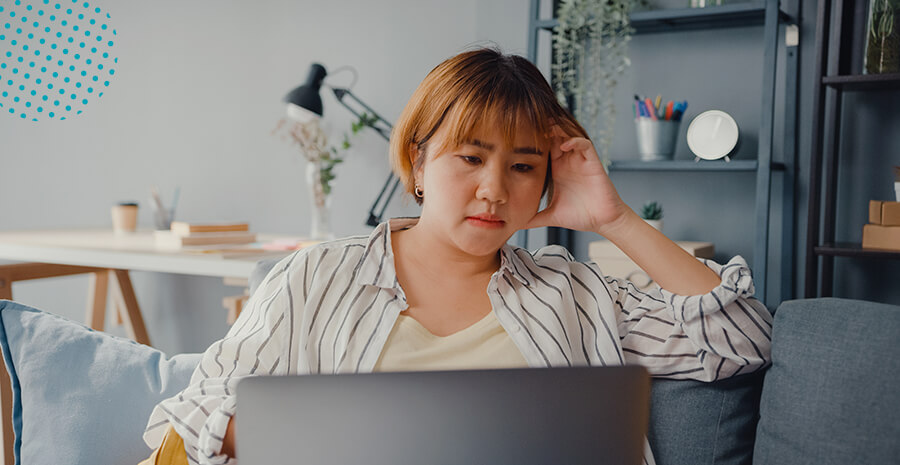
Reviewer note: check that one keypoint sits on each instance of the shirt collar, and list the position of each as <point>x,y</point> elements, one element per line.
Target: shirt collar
<point>377,266</point>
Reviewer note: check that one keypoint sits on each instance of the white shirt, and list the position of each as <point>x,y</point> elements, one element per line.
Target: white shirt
<point>330,309</point>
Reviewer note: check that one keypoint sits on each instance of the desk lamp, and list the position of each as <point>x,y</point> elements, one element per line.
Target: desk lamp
<point>304,103</point>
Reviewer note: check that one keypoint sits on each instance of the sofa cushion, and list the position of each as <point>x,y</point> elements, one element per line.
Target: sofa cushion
<point>831,395</point>
<point>81,396</point>
<point>704,423</point>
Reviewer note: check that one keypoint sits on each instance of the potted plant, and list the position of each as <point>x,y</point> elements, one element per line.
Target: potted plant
<point>883,37</point>
<point>589,54</point>
<point>321,159</point>
<point>652,213</point>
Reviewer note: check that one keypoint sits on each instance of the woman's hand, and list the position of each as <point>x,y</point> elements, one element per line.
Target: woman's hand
<point>583,196</point>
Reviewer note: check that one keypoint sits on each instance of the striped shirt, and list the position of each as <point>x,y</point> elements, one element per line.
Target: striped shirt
<point>330,309</point>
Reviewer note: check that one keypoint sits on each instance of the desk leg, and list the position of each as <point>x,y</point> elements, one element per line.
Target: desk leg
<point>6,403</point>
<point>5,287</point>
<point>125,298</point>
<point>97,293</point>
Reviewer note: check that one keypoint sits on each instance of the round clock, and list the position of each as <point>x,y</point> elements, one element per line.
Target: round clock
<point>712,135</point>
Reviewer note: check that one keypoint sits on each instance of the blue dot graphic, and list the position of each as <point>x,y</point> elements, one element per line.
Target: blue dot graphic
<point>69,73</point>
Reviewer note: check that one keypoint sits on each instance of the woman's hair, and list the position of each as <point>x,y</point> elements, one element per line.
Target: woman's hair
<point>469,89</point>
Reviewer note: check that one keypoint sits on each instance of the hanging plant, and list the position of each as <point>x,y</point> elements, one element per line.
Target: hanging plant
<point>590,53</point>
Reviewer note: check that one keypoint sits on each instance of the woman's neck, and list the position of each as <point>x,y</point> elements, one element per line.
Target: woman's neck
<point>420,249</point>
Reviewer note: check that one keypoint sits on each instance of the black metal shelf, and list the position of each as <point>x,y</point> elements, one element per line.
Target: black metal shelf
<point>682,19</point>
<point>864,81</point>
<point>851,249</point>
<point>840,29</point>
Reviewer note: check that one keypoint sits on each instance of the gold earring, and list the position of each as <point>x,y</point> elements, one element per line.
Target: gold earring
<point>419,191</point>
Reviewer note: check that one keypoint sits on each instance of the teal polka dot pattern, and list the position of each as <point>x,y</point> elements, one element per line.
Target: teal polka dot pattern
<point>52,50</point>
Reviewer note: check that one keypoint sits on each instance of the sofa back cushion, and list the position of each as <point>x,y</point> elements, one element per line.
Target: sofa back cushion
<point>831,395</point>
<point>81,396</point>
<point>704,423</point>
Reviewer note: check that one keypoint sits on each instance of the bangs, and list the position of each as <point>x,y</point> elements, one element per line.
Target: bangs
<point>473,92</point>
<point>501,100</point>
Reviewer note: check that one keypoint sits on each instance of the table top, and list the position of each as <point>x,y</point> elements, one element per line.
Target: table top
<point>131,251</point>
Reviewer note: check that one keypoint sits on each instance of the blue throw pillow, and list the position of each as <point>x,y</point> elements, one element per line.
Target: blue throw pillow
<point>81,396</point>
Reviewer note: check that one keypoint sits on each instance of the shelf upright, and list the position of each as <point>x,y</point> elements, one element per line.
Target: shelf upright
<point>761,12</point>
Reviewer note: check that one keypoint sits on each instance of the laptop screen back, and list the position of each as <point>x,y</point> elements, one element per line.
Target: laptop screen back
<point>526,416</point>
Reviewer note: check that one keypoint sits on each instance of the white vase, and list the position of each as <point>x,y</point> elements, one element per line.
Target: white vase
<point>320,204</point>
<point>658,224</point>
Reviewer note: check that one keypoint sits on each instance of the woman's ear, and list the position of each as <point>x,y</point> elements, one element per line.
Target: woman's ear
<point>417,164</point>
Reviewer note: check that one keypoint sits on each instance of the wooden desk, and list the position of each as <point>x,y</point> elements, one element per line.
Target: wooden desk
<point>109,257</point>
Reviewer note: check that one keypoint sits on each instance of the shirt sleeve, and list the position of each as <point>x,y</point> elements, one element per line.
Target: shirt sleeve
<point>716,335</point>
<point>257,344</point>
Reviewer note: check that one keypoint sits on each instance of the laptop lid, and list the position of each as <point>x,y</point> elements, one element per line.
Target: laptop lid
<point>529,416</point>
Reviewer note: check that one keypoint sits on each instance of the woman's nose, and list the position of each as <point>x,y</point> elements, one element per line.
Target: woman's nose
<point>492,186</point>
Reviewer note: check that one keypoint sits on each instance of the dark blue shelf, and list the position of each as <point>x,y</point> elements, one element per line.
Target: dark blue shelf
<point>724,16</point>
<point>690,165</point>
<point>683,165</point>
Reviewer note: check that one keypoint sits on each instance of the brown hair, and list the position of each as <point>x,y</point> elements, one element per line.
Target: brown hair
<point>469,89</point>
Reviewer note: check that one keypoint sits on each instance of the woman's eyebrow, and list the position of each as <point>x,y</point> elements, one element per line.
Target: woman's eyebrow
<point>486,146</point>
<point>528,150</point>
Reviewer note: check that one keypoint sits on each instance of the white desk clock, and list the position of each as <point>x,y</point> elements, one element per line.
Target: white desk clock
<point>712,135</point>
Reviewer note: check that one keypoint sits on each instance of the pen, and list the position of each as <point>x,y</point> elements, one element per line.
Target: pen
<point>669,107</point>
<point>650,108</point>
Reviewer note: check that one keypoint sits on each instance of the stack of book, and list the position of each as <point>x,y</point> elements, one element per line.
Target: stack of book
<point>184,234</point>
<point>883,230</point>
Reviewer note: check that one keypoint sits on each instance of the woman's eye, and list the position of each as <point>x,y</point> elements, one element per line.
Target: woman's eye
<point>523,168</point>
<point>472,160</point>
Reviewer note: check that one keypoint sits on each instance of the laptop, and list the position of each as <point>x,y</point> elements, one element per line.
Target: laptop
<point>528,416</point>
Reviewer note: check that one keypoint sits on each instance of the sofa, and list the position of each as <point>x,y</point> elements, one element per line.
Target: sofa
<point>77,396</point>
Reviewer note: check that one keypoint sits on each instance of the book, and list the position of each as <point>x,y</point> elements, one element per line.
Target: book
<point>169,239</point>
<point>287,244</point>
<point>184,228</point>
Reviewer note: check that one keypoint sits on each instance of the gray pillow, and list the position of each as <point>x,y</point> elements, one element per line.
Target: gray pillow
<point>704,423</point>
<point>831,395</point>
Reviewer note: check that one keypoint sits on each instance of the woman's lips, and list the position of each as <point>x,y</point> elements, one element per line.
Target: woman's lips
<point>485,222</point>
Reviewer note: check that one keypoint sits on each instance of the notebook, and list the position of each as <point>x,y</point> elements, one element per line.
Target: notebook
<point>530,416</point>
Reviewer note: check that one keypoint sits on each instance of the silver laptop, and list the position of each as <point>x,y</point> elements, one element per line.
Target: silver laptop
<point>543,416</point>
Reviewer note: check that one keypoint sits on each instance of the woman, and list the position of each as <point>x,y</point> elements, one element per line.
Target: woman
<point>479,143</point>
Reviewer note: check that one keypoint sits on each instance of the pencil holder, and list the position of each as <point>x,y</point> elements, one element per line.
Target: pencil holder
<point>656,138</point>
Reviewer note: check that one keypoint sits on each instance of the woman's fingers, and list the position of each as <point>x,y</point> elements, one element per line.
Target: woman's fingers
<point>577,144</point>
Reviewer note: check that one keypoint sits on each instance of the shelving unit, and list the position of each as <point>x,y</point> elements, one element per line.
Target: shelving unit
<point>838,27</point>
<point>770,16</point>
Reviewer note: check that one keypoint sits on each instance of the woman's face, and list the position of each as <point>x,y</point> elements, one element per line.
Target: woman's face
<point>479,194</point>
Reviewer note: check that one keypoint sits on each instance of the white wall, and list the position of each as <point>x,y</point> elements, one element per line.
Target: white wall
<point>196,95</point>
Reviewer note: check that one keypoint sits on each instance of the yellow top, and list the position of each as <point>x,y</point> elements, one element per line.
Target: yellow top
<point>410,347</point>
<point>485,344</point>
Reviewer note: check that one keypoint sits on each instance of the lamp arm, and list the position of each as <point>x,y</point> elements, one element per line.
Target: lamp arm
<point>375,212</point>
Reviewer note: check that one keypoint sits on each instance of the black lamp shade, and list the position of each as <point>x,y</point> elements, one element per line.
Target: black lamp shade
<point>307,95</point>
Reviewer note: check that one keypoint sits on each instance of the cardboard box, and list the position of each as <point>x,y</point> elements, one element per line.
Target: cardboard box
<point>884,213</point>
<point>890,214</point>
<point>613,262</point>
<point>876,236</point>
<point>875,211</point>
